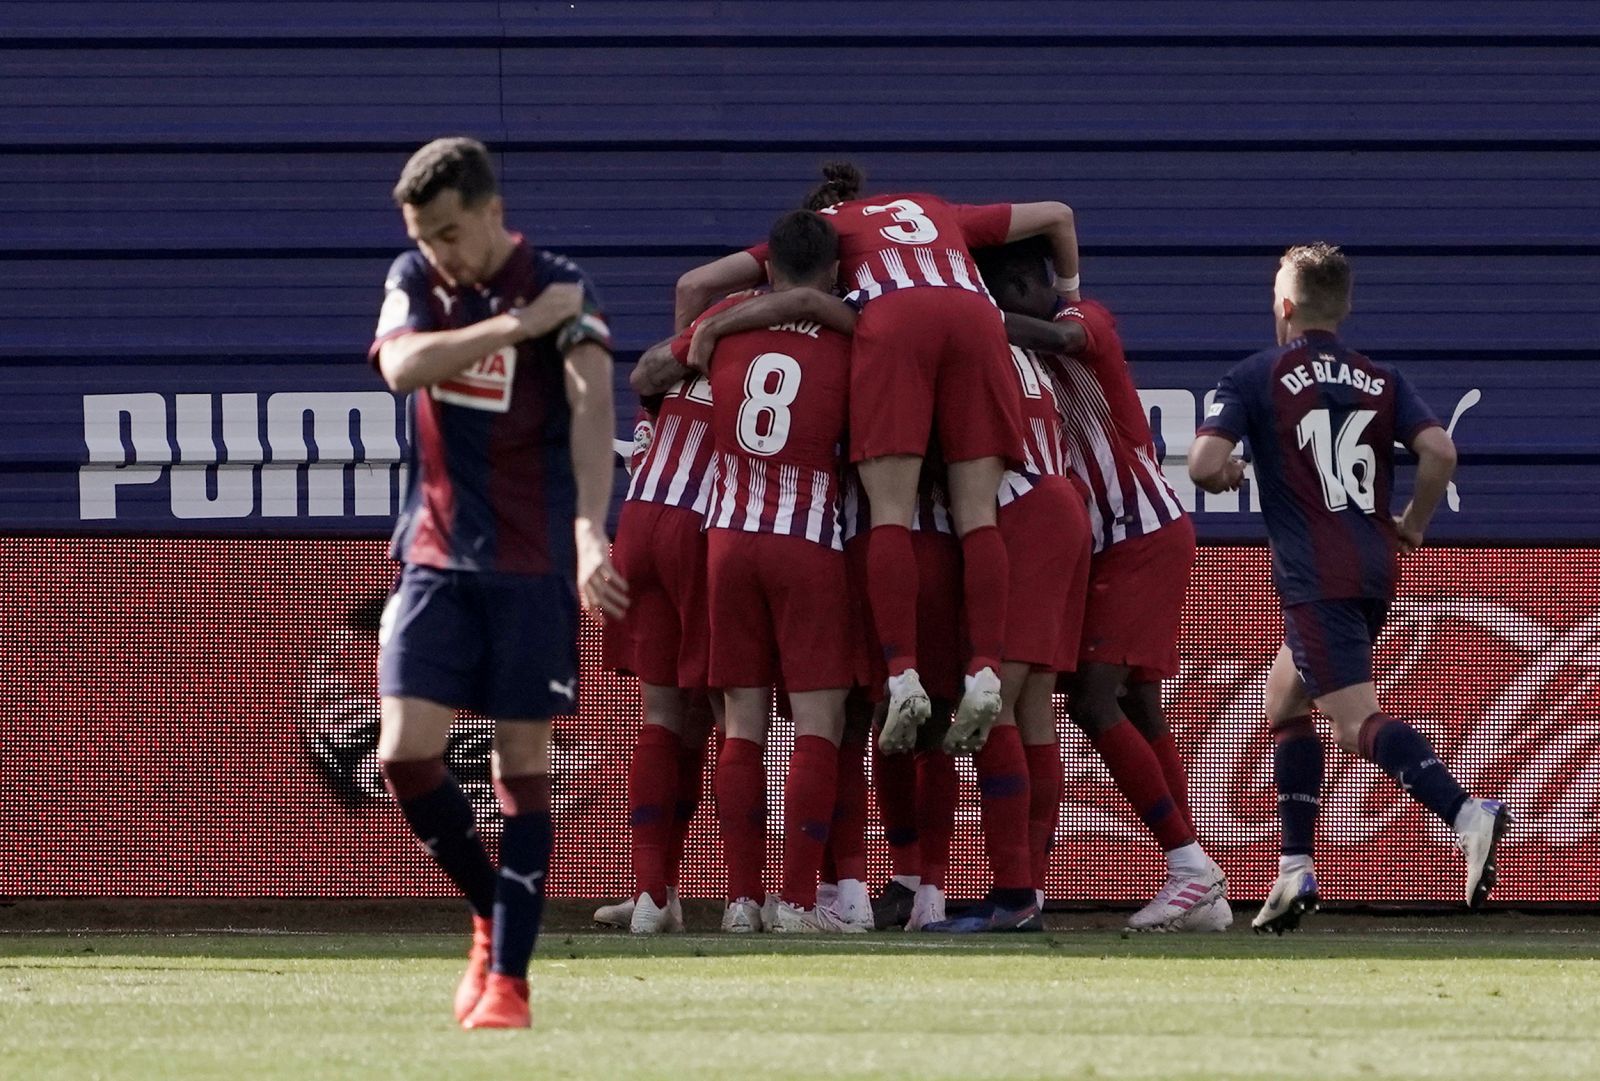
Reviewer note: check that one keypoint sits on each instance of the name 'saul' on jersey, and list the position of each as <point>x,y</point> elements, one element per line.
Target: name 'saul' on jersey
<point>345,444</point>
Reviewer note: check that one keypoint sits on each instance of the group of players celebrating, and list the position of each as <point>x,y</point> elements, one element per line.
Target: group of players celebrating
<point>894,474</point>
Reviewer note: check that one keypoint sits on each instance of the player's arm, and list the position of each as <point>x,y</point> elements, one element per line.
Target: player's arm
<point>1436,464</point>
<point>787,306</point>
<point>588,378</point>
<point>1056,221</point>
<point>1212,465</point>
<point>1065,337</point>
<point>698,288</point>
<point>657,371</point>
<point>425,357</point>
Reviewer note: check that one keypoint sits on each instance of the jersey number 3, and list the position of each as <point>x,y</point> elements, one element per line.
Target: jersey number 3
<point>1347,467</point>
<point>770,388</point>
<point>912,224</point>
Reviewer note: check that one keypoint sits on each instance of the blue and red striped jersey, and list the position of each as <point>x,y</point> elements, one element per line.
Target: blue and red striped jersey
<point>489,481</point>
<point>1320,421</point>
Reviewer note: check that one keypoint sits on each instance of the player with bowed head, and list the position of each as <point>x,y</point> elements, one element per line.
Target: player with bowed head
<point>1320,421</point>
<point>929,358</point>
<point>505,357</point>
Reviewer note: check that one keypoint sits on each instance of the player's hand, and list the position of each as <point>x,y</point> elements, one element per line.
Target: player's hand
<point>700,348</point>
<point>557,304</point>
<point>599,584</point>
<point>1410,535</point>
<point>1233,474</point>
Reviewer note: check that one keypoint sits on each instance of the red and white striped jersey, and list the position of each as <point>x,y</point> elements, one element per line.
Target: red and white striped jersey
<point>783,401</point>
<point>1044,453</point>
<point>677,465</point>
<point>889,242</point>
<point>931,513</point>
<point>1108,433</point>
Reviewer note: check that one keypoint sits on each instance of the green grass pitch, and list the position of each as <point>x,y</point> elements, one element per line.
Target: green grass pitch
<point>1397,1002</point>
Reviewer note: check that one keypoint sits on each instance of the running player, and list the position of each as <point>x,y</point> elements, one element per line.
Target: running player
<point>779,594</point>
<point>1321,421</point>
<point>663,640</point>
<point>1143,548</point>
<point>929,358</point>
<point>507,360</point>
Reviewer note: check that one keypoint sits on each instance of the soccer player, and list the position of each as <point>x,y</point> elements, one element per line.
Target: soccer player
<point>1321,421</point>
<point>929,357</point>
<point>506,358</point>
<point>664,638</point>
<point>1143,551</point>
<point>780,378</point>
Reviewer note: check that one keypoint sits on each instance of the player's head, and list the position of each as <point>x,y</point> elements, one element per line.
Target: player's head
<point>451,204</point>
<point>1018,276</point>
<point>1312,289</point>
<point>803,249</point>
<point>841,182</point>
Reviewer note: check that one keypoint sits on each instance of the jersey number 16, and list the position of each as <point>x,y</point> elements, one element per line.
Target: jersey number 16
<point>1347,467</point>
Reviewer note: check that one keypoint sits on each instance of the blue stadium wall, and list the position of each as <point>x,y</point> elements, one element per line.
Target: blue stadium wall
<point>195,226</point>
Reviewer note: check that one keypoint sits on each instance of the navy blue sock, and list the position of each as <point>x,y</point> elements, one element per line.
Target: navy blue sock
<point>1404,754</point>
<point>438,813</point>
<point>524,862</point>
<point>1297,769</point>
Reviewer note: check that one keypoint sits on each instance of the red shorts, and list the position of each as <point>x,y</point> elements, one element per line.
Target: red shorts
<point>1135,605</point>
<point>1047,543</point>
<point>664,639</point>
<point>927,355</point>
<point>780,606</point>
<point>941,623</point>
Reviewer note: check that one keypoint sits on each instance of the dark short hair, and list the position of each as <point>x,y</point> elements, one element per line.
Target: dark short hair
<point>1016,263</point>
<point>841,182</point>
<point>802,244</point>
<point>1322,277</point>
<point>455,164</point>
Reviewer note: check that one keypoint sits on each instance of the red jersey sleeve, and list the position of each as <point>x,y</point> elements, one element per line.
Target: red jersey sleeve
<point>1096,324</point>
<point>983,226</point>
<point>680,344</point>
<point>760,252</point>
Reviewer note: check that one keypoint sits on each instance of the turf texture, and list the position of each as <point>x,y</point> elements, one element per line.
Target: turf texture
<point>1450,1003</point>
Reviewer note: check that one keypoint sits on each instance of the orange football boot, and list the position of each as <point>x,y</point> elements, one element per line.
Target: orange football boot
<point>504,1004</point>
<point>470,989</point>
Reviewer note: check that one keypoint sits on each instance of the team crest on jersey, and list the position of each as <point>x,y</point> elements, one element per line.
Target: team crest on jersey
<point>486,385</point>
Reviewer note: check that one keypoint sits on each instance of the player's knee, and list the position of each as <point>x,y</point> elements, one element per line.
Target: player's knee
<point>521,748</point>
<point>1346,734</point>
<point>407,779</point>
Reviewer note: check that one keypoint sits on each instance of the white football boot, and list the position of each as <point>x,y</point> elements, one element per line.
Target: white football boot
<point>793,920</point>
<point>1480,826</point>
<point>652,919</point>
<point>926,908</point>
<point>827,893</point>
<point>742,917</point>
<point>908,709</point>
<point>1178,897</point>
<point>853,904</point>
<point>769,910</point>
<point>1216,916</point>
<point>1293,895</point>
<point>976,714</point>
<point>619,915</point>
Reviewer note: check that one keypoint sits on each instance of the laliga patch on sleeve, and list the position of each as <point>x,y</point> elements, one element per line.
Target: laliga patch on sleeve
<point>486,385</point>
<point>1215,410</point>
<point>395,313</point>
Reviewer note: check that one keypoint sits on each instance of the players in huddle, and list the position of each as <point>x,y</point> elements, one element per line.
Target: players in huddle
<point>905,474</point>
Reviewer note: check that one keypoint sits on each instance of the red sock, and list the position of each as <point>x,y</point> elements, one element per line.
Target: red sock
<point>985,580</point>
<point>652,801</point>
<point>691,787</point>
<point>1046,786</point>
<point>892,589</point>
<point>1003,797</point>
<point>938,789</point>
<point>1136,771</point>
<point>808,798</point>
<point>847,840</point>
<point>1166,749</point>
<point>740,785</point>
<point>895,783</point>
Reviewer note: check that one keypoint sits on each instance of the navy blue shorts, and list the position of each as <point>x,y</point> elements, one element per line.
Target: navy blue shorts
<point>1332,641</point>
<point>503,645</point>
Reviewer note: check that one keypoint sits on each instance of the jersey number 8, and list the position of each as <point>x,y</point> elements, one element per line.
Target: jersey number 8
<point>770,388</point>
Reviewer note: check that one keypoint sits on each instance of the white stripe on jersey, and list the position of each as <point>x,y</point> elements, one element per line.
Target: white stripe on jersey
<point>929,268</point>
<point>958,270</point>
<point>788,498</point>
<point>1153,470</point>
<point>660,450</point>
<point>819,504</point>
<point>1042,440</point>
<point>698,430</point>
<point>869,289</point>
<point>728,479</point>
<point>708,488</point>
<point>896,268</point>
<point>755,499</point>
<point>1013,486</point>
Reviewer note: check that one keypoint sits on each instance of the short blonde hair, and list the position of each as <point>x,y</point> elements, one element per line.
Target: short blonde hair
<point>1322,282</point>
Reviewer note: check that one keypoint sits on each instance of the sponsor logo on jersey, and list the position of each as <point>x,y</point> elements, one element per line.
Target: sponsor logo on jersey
<point>486,385</point>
